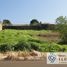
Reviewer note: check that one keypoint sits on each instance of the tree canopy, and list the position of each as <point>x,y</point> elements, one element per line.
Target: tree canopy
<point>6,22</point>
<point>34,22</point>
<point>62,28</point>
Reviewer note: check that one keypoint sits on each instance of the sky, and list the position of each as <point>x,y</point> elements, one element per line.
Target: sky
<point>23,11</point>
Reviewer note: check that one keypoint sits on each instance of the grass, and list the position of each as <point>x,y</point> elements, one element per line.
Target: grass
<point>20,40</point>
<point>13,36</point>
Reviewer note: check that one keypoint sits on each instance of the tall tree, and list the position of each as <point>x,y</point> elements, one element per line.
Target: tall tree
<point>62,28</point>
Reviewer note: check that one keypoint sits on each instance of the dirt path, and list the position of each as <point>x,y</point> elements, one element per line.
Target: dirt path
<point>28,64</point>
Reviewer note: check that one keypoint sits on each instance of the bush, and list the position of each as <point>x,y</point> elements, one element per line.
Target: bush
<point>50,47</point>
<point>5,47</point>
<point>44,47</point>
<point>54,47</point>
<point>22,46</point>
<point>35,46</point>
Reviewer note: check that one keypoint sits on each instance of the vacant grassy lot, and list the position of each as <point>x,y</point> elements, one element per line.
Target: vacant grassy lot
<point>14,36</point>
<point>40,40</point>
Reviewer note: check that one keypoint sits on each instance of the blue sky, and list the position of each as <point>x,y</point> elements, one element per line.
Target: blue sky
<point>23,11</point>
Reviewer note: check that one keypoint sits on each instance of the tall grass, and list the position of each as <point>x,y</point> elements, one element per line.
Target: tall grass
<point>20,40</point>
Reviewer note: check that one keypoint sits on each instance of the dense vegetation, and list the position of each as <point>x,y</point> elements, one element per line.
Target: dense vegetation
<point>62,28</point>
<point>16,40</point>
<point>52,39</point>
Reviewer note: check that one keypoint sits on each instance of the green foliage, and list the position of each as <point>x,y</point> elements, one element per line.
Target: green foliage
<point>22,46</point>
<point>62,28</point>
<point>50,47</point>
<point>20,40</point>
<point>35,40</point>
<point>34,22</point>
<point>14,36</point>
<point>6,22</point>
<point>53,47</point>
<point>35,46</point>
<point>5,47</point>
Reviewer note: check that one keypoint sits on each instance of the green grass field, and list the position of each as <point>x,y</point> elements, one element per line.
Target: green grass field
<point>16,40</point>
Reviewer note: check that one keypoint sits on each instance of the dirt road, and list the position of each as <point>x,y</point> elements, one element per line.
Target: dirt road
<point>28,64</point>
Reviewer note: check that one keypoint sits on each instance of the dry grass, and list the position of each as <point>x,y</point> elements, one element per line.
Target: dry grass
<point>20,55</point>
<point>53,37</point>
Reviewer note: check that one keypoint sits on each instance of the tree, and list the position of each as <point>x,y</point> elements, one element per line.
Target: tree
<point>34,22</point>
<point>6,22</point>
<point>62,28</point>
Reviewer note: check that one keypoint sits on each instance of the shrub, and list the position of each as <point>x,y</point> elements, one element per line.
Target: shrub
<point>44,47</point>
<point>22,46</point>
<point>54,47</point>
<point>35,46</point>
<point>61,27</point>
<point>50,47</point>
<point>5,47</point>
